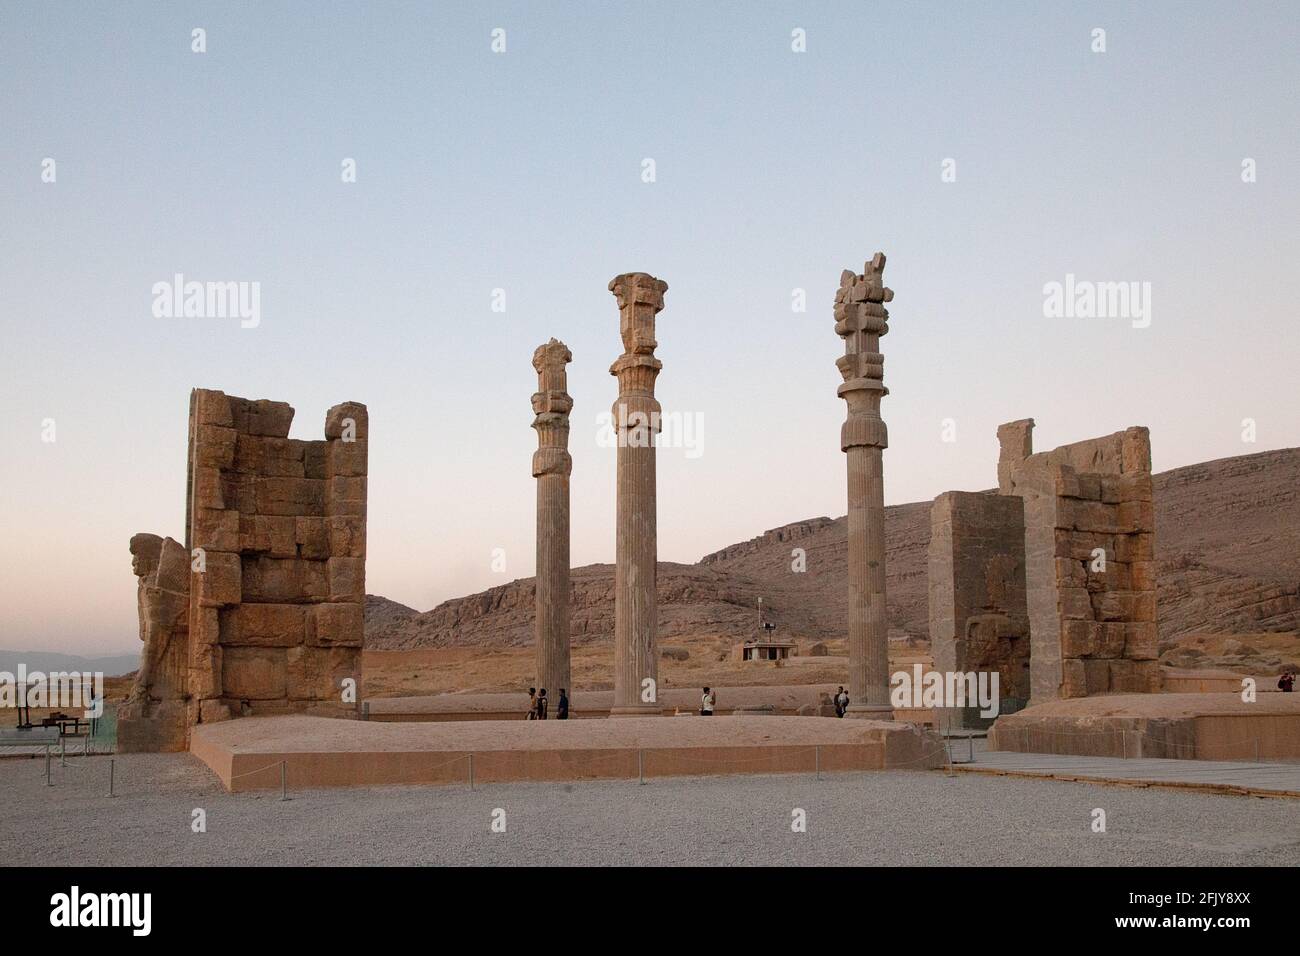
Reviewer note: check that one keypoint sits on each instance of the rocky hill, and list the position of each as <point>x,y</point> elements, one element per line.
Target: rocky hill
<point>1227,540</point>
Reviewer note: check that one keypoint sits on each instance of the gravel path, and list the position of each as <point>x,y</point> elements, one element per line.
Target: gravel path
<point>863,818</point>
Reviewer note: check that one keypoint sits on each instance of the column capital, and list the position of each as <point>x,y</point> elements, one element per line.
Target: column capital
<point>861,319</point>
<point>551,406</point>
<point>550,359</point>
<point>640,298</point>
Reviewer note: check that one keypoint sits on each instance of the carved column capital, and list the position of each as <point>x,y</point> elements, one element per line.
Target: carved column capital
<point>861,319</point>
<point>551,406</point>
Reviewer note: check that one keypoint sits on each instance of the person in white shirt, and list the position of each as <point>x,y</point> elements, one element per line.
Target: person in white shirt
<point>706,703</point>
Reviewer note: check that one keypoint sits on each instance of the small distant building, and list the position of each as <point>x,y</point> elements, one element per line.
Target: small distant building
<point>767,650</point>
<point>766,647</point>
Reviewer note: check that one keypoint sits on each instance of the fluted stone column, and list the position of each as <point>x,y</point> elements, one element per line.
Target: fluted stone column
<point>636,421</point>
<point>861,319</point>
<point>552,466</point>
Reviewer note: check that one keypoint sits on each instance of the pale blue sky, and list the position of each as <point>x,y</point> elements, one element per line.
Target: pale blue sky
<point>775,171</point>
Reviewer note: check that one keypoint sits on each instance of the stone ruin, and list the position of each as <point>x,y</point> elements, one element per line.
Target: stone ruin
<point>155,713</point>
<point>552,465</point>
<point>861,319</point>
<point>1050,581</point>
<point>261,611</point>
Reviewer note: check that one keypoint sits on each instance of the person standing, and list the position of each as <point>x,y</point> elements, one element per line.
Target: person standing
<point>839,707</point>
<point>1286,682</point>
<point>843,700</point>
<point>562,706</point>
<point>706,703</point>
<point>541,704</point>
<point>532,704</point>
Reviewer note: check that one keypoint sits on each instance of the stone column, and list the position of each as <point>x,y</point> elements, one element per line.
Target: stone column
<point>552,466</point>
<point>861,319</point>
<point>636,422</point>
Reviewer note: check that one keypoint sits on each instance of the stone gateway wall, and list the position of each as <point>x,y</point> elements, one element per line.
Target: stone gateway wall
<point>276,538</point>
<point>1090,561</point>
<point>1075,540</point>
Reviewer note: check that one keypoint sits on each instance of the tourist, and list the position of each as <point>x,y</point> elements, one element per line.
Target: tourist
<point>562,707</point>
<point>532,704</point>
<point>706,703</point>
<point>841,703</point>
<point>1286,682</point>
<point>541,704</point>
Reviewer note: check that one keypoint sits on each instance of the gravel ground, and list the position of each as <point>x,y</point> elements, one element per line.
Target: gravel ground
<point>879,818</point>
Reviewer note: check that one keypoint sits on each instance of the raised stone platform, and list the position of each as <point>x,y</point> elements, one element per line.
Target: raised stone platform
<point>1189,726</point>
<point>1210,776</point>
<point>247,754</point>
<point>1179,681</point>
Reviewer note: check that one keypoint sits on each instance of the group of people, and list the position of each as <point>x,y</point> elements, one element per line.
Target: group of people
<point>538,705</point>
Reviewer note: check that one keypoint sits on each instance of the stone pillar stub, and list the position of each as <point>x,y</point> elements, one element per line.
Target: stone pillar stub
<point>861,319</point>
<point>1015,444</point>
<point>636,421</point>
<point>978,616</point>
<point>552,466</point>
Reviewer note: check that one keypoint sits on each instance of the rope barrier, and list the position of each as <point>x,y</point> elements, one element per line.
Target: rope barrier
<point>249,773</point>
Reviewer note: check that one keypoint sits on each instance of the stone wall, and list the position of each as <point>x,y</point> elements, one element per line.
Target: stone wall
<point>276,540</point>
<point>978,616</point>
<point>1073,544</point>
<point>276,618</point>
<point>1090,578</point>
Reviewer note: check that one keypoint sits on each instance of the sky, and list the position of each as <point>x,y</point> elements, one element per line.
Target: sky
<point>989,149</point>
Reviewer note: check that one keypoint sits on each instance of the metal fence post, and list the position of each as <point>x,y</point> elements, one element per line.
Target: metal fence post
<point>284,774</point>
<point>471,773</point>
<point>48,781</point>
<point>819,761</point>
<point>640,768</point>
<point>111,762</point>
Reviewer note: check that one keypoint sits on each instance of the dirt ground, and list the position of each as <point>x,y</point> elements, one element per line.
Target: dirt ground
<point>708,662</point>
<point>1264,655</point>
